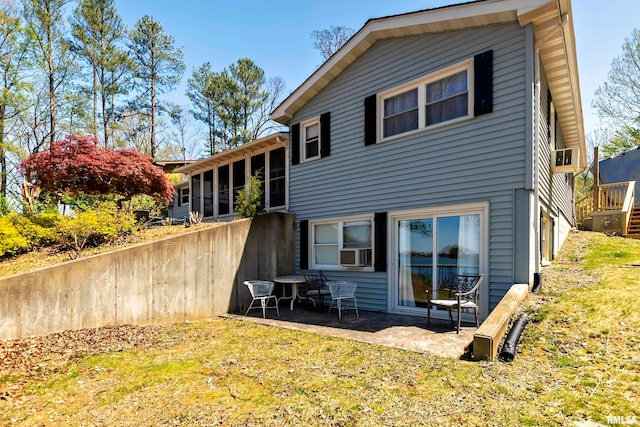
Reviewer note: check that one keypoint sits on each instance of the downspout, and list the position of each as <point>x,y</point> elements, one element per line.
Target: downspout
<point>536,137</point>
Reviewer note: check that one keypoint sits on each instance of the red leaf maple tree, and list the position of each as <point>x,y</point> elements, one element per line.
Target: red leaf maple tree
<point>77,164</point>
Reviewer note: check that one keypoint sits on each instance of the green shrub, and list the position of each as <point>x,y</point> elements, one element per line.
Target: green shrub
<point>11,241</point>
<point>39,230</point>
<point>103,225</point>
<point>5,207</point>
<point>249,200</point>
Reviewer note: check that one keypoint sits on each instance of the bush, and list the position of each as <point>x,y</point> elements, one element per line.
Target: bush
<point>39,230</point>
<point>249,200</point>
<point>103,225</point>
<point>11,241</point>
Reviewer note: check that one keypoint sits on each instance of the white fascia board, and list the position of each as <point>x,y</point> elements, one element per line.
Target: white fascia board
<point>375,29</point>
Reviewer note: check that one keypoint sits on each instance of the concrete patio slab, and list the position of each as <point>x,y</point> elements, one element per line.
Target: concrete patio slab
<point>392,330</point>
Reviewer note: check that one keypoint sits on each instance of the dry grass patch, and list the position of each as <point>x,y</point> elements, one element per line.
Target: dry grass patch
<point>579,361</point>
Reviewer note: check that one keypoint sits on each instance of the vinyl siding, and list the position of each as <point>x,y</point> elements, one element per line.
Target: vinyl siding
<point>181,211</point>
<point>556,190</point>
<point>476,160</point>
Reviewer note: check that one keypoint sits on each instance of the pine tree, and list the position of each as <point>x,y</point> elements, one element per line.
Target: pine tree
<point>158,66</point>
<point>97,31</point>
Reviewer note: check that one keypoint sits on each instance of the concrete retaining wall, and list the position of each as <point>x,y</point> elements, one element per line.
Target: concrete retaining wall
<point>192,276</point>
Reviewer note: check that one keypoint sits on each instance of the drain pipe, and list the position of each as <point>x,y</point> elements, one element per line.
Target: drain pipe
<point>508,352</point>
<point>564,18</point>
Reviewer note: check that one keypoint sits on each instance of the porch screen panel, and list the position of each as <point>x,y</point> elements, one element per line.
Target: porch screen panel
<point>238,179</point>
<point>195,193</point>
<point>257,168</point>
<point>207,180</point>
<point>223,190</point>
<point>277,180</point>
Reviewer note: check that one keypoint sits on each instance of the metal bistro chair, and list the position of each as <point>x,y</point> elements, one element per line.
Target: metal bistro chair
<point>466,297</point>
<point>261,291</point>
<point>341,291</point>
<point>315,287</point>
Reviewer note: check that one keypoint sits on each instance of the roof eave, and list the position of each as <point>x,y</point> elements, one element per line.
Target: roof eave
<point>558,56</point>
<point>449,18</point>
<point>225,156</point>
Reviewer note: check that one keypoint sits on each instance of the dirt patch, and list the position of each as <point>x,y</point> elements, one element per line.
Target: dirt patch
<point>37,357</point>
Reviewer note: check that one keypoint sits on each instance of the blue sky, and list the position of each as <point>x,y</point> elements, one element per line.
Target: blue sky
<point>276,34</point>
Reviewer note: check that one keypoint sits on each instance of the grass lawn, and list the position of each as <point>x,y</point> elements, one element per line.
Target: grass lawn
<point>579,362</point>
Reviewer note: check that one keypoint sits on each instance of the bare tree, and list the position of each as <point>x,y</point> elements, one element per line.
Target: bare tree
<point>328,41</point>
<point>263,124</point>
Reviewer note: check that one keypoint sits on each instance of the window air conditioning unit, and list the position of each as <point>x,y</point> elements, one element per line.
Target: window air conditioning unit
<point>355,257</point>
<point>565,160</point>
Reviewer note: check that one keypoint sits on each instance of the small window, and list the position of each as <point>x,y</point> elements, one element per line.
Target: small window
<point>428,101</point>
<point>341,244</point>
<point>310,140</point>
<point>184,196</point>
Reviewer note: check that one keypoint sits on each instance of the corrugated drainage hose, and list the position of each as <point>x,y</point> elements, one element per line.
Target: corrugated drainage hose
<point>508,351</point>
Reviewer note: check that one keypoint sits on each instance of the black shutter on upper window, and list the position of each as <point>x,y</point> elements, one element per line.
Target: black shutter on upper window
<point>325,134</point>
<point>370,120</point>
<point>294,143</point>
<point>483,83</point>
<point>380,236</point>
<point>304,244</point>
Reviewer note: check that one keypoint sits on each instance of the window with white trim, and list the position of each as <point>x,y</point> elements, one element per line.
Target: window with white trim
<point>340,244</point>
<point>310,139</point>
<point>437,98</point>
<point>184,196</point>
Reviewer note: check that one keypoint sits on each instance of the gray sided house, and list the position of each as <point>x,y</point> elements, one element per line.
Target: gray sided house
<point>423,149</point>
<point>214,181</point>
<point>179,206</point>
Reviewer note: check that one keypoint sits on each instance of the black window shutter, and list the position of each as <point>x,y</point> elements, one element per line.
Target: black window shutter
<point>483,83</point>
<point>294,143</point>
<point>325,134</point>
<point>380,234</point>
<point>549,100</point>
<point>370,120</point>
<point>304,244</point>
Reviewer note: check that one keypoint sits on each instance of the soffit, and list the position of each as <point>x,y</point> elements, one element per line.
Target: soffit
<point>556,44</point>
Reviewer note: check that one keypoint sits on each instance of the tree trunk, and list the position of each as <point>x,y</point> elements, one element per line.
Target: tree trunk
<point>3,156</point>
<point>95,102</point>
<point>153,109</point>
<point>105,117</point>
<point>52,88</point>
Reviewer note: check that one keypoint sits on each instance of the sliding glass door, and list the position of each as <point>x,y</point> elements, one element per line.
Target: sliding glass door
<point>431,249</point>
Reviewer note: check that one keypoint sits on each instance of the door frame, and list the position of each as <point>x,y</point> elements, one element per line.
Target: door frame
<point>480,208</point>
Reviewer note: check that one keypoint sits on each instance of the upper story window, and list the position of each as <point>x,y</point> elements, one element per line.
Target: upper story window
<point>430,100</point>
<point>310,139</point>
<point>401,113</point>
<point>447,98</point>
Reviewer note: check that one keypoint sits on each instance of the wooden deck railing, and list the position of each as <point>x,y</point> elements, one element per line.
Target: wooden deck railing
<point>627,206</point>
<point>584,207</point>
<point>610,197</point>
